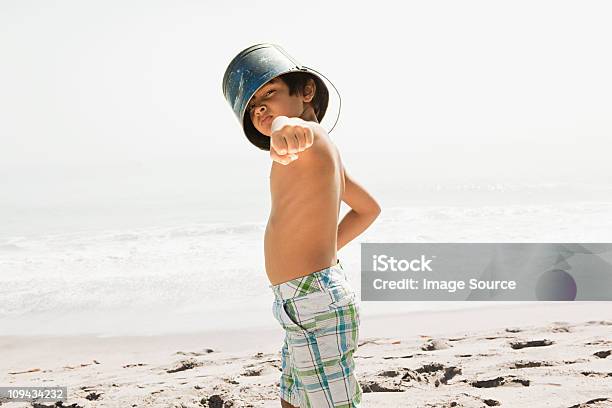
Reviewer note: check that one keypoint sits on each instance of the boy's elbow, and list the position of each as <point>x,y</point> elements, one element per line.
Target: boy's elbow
<point>375,211</point>
<point>378,210</point>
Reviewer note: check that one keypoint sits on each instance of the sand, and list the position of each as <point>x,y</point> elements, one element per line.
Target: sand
<point>546,354</point>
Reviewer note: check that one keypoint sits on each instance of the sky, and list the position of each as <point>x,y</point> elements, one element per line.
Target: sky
<point>120,100</point>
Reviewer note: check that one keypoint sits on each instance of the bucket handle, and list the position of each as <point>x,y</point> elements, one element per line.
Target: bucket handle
<point>340,97</point>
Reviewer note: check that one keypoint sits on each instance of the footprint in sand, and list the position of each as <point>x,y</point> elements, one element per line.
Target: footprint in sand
<point>433,373</point>
<point>500,381</point>
<point>594,403</point>
<point>603,354</point>
<point>93,396</point>
<point>561,329</point>
<point>134,365</point>
<point>598,342</point>
<point>185,365</point>
<point>466,400</point>
<point>532,343</point>
<point>497,337</point>
<point>594,374</point>
<point>599,323</point>
<point>253,372</point>
<point>530,364</point>
<point>432,345</point>
<point>215,401</point>
<point>513,330</point>
<point>196,353</point>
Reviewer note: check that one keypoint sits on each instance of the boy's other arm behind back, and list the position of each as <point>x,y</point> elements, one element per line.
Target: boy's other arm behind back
<point>364,210</point>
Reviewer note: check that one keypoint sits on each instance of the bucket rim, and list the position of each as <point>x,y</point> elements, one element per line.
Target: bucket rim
<point>246,52</point>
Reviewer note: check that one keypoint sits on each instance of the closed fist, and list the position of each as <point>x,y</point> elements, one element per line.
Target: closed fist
<point>289,137</point>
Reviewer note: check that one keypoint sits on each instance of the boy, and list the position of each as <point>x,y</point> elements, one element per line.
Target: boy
<point>314,302</point>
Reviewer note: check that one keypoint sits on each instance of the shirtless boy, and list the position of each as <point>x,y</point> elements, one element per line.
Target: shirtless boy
<point>314,302</point>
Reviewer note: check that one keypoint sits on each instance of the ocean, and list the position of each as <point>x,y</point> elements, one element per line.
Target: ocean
<point>179,264</point>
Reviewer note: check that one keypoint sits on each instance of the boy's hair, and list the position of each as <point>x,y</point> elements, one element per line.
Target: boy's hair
<point>296,81</point>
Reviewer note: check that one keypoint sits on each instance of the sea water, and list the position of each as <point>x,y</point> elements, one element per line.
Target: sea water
<point>173,265</point>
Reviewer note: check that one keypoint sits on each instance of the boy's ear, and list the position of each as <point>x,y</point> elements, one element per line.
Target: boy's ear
<point>309,90</point>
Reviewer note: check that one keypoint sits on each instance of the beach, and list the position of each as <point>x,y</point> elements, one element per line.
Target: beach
<point>166,314</point>
<point>544,354</point>
<point>134,206</point>
<point>176,312</point>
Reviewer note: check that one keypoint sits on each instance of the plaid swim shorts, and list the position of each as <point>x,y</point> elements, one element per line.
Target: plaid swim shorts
<point>320,315</point>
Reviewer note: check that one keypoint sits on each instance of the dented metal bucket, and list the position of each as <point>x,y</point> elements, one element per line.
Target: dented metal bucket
<point>255,66</point>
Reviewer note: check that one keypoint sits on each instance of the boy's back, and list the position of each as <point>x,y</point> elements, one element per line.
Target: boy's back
<point>301,235</point>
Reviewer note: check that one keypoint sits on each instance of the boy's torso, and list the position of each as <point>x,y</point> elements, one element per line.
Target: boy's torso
<point>302,229</point>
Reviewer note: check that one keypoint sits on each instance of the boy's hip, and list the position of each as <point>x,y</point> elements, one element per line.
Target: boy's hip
<point>325,280</point>
<point>311,303</point>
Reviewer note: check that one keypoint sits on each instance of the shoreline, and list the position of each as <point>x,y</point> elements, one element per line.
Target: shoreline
<point>447,321</point>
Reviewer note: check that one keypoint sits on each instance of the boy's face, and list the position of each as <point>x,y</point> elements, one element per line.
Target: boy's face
<point>273,100</point>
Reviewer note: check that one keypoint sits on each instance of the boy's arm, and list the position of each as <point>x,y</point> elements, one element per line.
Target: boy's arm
<point>364,210</point>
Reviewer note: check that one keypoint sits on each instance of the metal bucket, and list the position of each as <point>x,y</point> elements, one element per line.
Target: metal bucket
<point>254,67</point>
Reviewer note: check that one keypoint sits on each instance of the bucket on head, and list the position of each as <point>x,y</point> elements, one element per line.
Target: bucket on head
<point>252,68</point>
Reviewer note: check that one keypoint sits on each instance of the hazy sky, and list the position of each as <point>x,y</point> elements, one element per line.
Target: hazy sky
<point>431,89</point>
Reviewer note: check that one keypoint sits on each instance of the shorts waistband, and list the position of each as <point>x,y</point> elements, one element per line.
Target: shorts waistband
<point>314,282</point>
